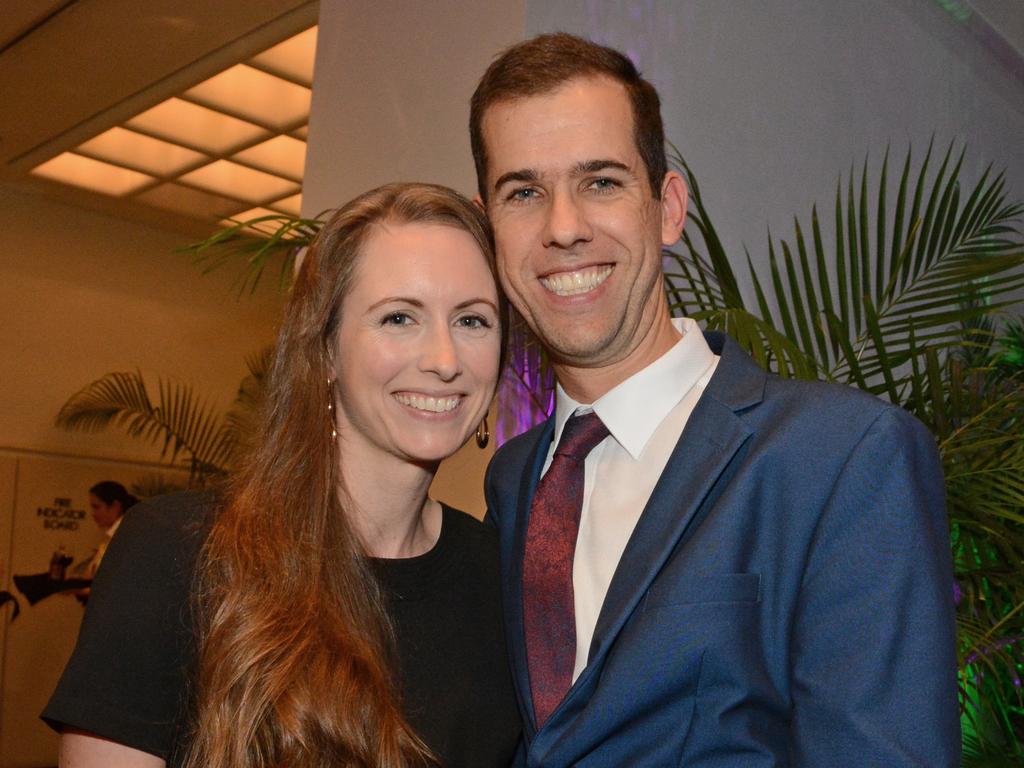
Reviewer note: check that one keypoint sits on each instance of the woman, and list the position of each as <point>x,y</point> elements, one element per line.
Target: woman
<point>108,501</point>
<point>341,617</point>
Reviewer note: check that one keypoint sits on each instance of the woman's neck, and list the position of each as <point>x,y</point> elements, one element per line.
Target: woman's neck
<point>387,505</point>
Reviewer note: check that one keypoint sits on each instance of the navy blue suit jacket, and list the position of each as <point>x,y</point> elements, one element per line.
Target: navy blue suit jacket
<point>784,600</point>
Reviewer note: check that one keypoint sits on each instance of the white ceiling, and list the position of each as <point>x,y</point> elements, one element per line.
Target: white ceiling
<point>71,69</point>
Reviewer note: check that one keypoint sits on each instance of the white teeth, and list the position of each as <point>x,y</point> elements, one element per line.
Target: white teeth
<point>572,283</point>
<point>425,403</point>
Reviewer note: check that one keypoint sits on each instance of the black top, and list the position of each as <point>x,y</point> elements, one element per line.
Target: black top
<point>128,678</point>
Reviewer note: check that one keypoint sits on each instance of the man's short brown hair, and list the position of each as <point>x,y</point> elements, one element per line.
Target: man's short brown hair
<point>546,62</point>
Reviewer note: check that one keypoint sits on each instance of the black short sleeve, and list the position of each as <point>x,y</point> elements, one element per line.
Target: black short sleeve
<point>127,679</point>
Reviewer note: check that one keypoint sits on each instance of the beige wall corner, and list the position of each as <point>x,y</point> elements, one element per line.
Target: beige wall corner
<point>391,92</point>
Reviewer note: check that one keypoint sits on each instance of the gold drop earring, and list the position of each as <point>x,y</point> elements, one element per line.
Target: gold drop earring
<point>330,408</point>
<point>483,433</point>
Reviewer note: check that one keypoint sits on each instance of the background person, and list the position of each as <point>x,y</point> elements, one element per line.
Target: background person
<point>338,615</point>
<point>108,501</point>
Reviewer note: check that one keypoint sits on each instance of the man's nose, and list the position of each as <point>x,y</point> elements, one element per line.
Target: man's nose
<point>567,222</point>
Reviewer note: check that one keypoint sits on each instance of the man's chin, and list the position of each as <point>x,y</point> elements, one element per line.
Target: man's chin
<point>579,350</point>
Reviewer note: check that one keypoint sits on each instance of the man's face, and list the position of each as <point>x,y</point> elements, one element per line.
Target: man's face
<point>578,232</point>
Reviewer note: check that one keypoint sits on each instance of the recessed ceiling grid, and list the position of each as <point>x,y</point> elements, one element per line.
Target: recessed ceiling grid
<point>233,146</point>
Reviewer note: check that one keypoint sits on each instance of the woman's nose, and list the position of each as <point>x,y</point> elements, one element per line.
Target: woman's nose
<point>440,355</point>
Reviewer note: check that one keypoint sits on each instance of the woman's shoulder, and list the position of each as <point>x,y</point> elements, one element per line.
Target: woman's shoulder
<point>182,510</point>
<point>178,517</point>
<point>160,538</point>
<point>468,527</point>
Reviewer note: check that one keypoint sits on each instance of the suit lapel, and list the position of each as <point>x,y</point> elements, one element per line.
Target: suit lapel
<point>710,440</point>
<point>527,486</point>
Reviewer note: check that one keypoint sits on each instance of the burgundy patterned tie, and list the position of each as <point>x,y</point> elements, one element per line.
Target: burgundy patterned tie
<point>549,616</point>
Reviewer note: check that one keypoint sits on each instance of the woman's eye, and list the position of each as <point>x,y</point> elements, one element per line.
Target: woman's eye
<point>396,318</point>
<point>473,321</point>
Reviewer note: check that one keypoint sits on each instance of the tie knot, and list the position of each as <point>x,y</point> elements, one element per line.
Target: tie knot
<point>580,434</point>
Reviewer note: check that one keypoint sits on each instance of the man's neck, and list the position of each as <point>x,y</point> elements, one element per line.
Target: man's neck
<point>587,384</point>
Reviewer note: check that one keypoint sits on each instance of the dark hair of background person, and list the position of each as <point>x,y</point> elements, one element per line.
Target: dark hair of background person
<point>109,491</point>
<point>543,64</point>
<point>295,649</point>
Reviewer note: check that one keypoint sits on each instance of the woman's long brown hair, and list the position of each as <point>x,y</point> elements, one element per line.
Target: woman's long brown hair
<point>295,653</point>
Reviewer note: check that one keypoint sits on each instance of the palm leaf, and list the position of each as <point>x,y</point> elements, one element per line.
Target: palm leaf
<point>257,242</point>
<point>915,284</point>
<point>181,422</point>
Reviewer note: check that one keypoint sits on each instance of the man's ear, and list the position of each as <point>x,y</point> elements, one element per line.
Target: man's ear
<point>673,207</point>
<point>479,203</point>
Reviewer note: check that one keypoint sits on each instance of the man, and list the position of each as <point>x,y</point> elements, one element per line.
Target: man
<point>761,574</point>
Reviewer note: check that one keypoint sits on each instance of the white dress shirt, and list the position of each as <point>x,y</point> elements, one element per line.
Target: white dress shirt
<point>645,416</point>
<point>101,548</point>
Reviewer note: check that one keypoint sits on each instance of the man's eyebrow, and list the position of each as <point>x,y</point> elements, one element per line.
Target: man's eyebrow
<point>522,175</point>
<point>593,166</point>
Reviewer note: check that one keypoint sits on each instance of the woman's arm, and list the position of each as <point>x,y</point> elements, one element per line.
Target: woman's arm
<point>79,749</point>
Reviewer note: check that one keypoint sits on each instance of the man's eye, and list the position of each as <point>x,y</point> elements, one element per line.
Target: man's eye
<point>396,318</point>
<point>523,194</point>
<point>604,183</point>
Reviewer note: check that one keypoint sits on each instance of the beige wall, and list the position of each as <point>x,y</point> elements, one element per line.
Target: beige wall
<point>391,103</point>
<point>82,294</point>
<point>391,92</point>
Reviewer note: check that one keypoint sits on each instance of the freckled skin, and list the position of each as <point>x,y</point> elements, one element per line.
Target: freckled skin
<point>568,191</point>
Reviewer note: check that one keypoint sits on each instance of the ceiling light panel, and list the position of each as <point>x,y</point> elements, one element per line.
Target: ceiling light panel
<point>282,155</point>
<point>292,59</point>
<point>255,95</point>
<point>226,178</point>
<point>233,146</point>
<point>198,127</point>
<point>290,205</point>
<point>79,171</point>
<point>142,152</point>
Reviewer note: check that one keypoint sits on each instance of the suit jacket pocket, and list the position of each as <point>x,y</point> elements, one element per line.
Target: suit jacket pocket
<point>715,588</point>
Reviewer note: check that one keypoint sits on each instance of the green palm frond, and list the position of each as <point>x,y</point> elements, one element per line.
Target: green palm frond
<point>155,484</point>
<point>180,421</point>
<point>258,242</point>
<point>893,284</point>
<point>978,753</point>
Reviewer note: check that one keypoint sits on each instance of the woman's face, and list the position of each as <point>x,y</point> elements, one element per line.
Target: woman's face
<point>104,514</point>
<point>417,346</point>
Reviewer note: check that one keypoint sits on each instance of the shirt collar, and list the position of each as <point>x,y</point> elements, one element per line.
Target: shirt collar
<point>635,408</point>
<point>113,527</point>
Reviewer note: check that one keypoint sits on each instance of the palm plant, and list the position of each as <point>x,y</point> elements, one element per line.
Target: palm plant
<point>191,432</point>
<point>903,305</point>
<point>260,241</point>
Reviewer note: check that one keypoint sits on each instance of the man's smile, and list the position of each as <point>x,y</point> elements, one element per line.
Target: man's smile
<point>576,282</point>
